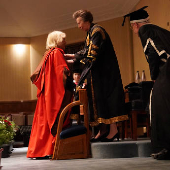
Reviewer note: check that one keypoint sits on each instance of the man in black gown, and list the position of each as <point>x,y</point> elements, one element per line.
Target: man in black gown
<point>156,45</point>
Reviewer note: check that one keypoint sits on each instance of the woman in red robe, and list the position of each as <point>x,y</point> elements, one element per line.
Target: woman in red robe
<point>53,95</point>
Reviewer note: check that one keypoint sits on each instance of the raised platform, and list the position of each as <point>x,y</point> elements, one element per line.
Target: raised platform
<point>121,149</point>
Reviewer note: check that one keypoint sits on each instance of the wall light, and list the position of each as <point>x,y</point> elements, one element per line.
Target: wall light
<point>19,49</point>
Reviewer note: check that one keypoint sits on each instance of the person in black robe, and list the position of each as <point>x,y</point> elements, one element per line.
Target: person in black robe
<point>156,44</point>
<point>104,84</point>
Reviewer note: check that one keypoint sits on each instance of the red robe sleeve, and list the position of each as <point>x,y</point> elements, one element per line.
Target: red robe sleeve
<point>50,82</point>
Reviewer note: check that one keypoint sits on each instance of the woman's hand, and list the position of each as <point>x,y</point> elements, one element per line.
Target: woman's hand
<point>70,61</point>
<point>69,56</point>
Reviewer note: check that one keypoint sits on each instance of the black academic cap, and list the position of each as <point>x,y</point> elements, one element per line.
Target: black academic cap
<point>137,16</point>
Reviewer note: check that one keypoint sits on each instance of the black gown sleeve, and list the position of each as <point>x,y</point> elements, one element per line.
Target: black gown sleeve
<point>154,49</point>
<point>92,51</point>
<point>81,54</point>
<point>97,39</point>
<point>153,60</point>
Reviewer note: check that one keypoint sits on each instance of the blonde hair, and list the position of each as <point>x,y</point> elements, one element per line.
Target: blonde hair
<point>54,39</point>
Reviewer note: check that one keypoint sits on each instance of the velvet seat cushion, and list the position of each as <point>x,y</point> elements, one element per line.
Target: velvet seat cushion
<point>73,131</point>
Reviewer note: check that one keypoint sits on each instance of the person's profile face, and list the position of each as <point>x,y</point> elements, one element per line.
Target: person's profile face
<point>83,25</point>
<point>76,77</point>
<point>62,44</point>
<point>134,27</point>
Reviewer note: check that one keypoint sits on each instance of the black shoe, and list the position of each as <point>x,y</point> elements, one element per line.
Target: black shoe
<point>162,155</point>
<point>41,158</point>
<point>110,140</point>
<point>99,138</point>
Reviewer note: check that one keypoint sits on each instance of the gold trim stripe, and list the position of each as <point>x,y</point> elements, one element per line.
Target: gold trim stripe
<point>95,46</point>
<point>90,51</point>
<point>93,52</point>
<point>98,29</point>
<point>109,121</point>
<point>81,61</point>
<point>87,40</point>
<point>94,58</point>
<point>90,47</point>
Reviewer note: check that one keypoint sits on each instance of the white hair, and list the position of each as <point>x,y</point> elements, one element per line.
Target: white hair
<point>54,39</point>
<point>146,20</point>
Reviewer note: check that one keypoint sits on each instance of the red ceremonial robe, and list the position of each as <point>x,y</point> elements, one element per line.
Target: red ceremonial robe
<point>50,93</point>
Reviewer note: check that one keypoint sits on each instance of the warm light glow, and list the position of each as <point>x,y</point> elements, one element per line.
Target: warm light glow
<point>19,49</point>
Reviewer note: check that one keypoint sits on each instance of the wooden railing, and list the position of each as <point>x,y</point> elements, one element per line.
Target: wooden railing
<point>21,112</point>
<point>17,106</point>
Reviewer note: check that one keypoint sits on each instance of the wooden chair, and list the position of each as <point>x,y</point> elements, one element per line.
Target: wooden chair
<point>134,114</point>
<point>136,100</point>
<point>73,142</point>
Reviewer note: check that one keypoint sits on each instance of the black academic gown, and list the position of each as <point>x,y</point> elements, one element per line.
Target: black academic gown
<point>104,84</point>
<point>156,44</point>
